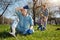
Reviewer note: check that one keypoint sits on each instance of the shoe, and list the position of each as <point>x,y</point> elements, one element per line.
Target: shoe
<point>44,28</point>
<point>40,28</point>
<point>12,34</point>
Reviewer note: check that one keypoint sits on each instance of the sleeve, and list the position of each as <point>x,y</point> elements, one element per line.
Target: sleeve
<point>31,21</point>
<point>47,11</point>
<point>19,14</point>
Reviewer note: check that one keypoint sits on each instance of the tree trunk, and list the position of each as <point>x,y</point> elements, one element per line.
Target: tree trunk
<point>34,3</point>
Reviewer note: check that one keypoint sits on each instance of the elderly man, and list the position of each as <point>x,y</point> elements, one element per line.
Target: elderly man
<point>25,24</point>
<point>44,10</point>
<point>45,13</point>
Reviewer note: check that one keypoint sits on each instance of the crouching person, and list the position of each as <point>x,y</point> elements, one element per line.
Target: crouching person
<point>25,25</point>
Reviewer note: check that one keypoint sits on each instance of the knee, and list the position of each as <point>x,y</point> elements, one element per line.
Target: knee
<point>30,31</point>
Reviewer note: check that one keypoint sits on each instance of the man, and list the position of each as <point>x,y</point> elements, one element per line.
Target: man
<point>25,24</point>
<point>45,13</point>
<point>44,10</point>
<point>25,20</point>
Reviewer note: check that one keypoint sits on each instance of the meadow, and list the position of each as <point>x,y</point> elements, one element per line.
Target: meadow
<point>49,34</point>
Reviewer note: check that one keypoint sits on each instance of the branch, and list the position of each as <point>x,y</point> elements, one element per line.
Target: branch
<point>4,10</point>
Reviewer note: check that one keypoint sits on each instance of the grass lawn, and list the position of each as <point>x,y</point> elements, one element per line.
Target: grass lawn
<point>50,34</point>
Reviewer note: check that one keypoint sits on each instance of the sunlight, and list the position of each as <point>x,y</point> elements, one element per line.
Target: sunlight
<point>54,1</point>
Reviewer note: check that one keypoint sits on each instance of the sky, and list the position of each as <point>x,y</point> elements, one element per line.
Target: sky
<point>54,6</point>
<point>10,12</point>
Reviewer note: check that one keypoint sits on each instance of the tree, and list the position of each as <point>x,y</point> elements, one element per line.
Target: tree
<point>35,6</point>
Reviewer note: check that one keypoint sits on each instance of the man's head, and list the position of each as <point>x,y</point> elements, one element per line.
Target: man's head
<point>44,6</point>
<point>24,10</point>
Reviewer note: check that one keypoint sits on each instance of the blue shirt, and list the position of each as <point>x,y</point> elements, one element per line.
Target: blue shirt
<point>24,22</point>
<point>45,12</point>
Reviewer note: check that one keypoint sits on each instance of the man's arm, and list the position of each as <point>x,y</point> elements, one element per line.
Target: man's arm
<point>18,12</point>
<point>31,23</point>
<point>47,13</point>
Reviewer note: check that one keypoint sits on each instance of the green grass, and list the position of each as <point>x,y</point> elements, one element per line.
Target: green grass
<point>50,34</point>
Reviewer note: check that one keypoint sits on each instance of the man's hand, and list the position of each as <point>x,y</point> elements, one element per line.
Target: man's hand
<point>31,27</point>
<point>45,18</point>
<point>18,8</point>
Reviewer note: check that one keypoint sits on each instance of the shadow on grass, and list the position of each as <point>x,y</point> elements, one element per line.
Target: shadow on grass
<point>21,34</point>
<point>57,25</point>
<point>5,34</point>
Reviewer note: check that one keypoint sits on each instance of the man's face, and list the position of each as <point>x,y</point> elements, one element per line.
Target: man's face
<point>24,12</point>
<point>44,7</point>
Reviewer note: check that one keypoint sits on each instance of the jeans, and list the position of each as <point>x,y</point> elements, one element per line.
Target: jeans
<point>29,31</point>
<point>45,23</point>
